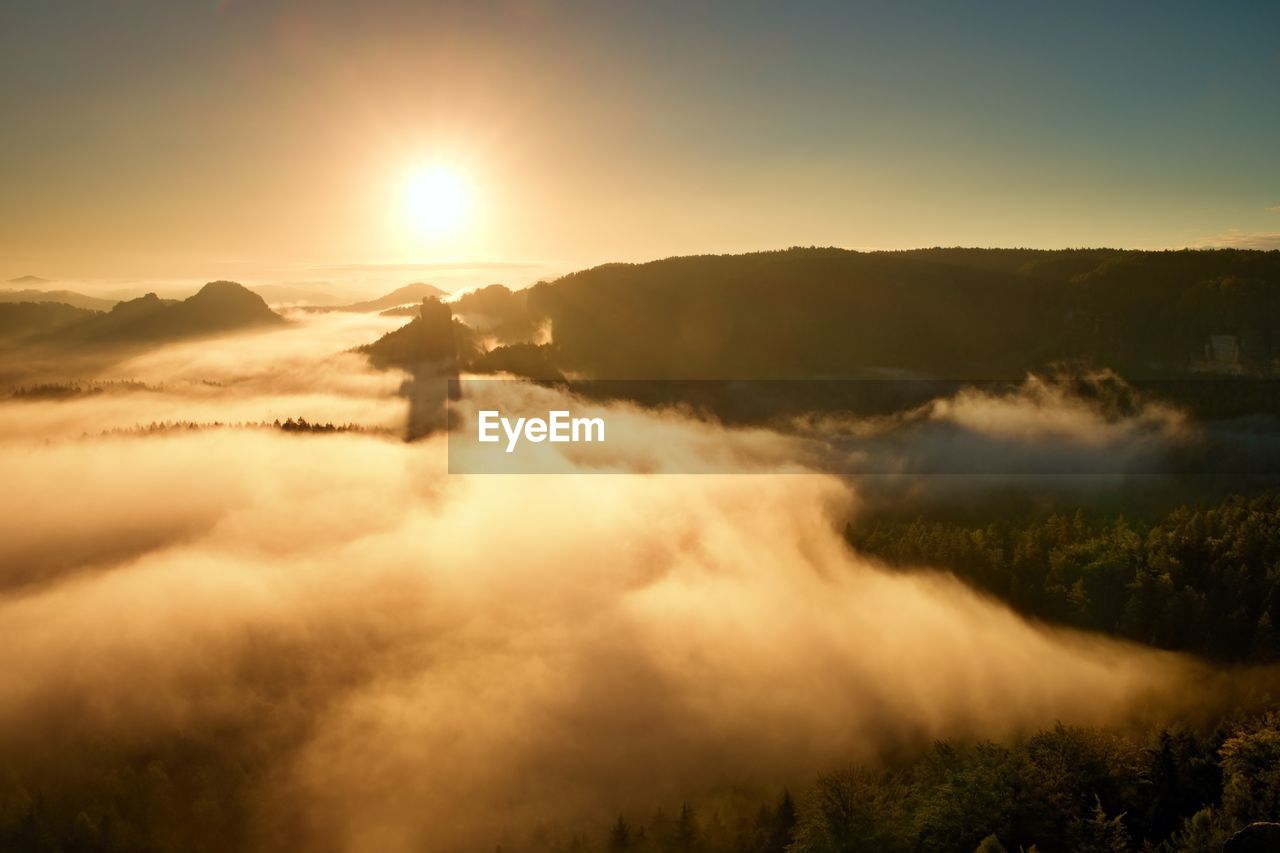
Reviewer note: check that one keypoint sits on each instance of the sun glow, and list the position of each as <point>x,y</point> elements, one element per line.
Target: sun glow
<point>436,201</point>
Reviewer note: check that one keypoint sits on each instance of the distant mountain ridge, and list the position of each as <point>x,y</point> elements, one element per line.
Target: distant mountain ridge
<point>410,294</point>
<point>218,307</point>
<point>66,297</point>
<point>949,313</point>
<point>24,320</point>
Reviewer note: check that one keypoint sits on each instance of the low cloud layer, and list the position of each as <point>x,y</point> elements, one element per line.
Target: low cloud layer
<point>442,661</point>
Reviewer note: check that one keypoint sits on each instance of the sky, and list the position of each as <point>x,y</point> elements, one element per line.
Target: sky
<point>276,138</point>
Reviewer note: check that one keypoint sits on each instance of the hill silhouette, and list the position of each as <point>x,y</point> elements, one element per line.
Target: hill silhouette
<point>219,306</point>
<point>407,295</point>
<point>429,338</point>
<point>66,297</point>
<point>498,312</point>
<point>22,320</point>
<point>803,313</point>
<point>952,313</point>
<point>428,350</point>
<point>1174,318</point>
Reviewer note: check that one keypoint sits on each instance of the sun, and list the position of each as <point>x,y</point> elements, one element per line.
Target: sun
<point>436,201</point>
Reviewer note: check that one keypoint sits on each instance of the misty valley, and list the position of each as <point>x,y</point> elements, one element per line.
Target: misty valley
<point>933,550</point>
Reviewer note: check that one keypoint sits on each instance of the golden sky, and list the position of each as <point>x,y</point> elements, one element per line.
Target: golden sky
<point>201,138</point>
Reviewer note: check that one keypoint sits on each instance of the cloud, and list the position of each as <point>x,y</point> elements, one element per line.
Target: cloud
<point>299,370</point>
<point>1265,240</point>
<point>488,650</point>
<point>1093,424</point>
<point>423,659</point>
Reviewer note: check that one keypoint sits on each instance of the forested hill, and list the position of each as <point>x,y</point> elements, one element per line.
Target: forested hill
<point>954,313</point>
<point>1203,579</point>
